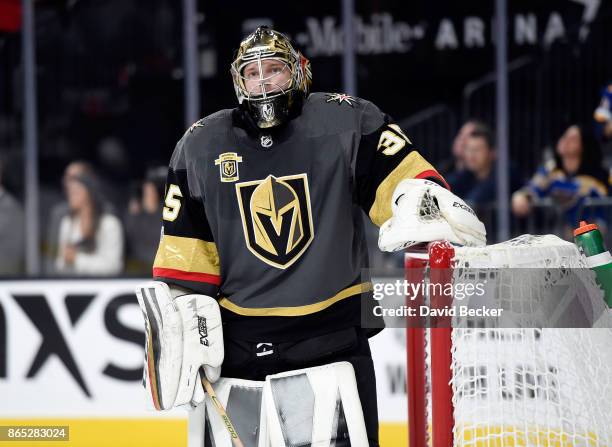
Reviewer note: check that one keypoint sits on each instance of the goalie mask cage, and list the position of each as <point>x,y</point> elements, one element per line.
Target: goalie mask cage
<point>508,387</point>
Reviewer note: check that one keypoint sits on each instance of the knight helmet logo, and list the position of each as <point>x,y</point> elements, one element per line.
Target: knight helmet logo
<point>276,218</point>
<point>267,110</point>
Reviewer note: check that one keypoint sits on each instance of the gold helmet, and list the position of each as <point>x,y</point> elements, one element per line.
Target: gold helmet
<point>271,78</point>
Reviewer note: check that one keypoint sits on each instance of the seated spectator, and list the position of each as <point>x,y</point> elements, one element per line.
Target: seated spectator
<point>143,223</point>
<point>454,170</point>
<point>479,185</point>
<point>575,174</point>
<point>12,236</point>
<point>90,238</point>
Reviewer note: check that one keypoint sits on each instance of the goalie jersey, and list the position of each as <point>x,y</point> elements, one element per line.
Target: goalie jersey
<point>271,224</point>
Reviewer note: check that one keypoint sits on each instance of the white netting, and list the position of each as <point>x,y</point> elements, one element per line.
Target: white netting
<point>532,387</point>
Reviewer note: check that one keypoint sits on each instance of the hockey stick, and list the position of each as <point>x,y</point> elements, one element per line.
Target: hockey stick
<point>226,420</point>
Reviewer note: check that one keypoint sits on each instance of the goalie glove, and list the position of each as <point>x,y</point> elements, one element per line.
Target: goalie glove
<point>182,334</point>
<point>423,211</point>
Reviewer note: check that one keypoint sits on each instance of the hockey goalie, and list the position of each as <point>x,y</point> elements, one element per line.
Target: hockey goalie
<point>258,285</point>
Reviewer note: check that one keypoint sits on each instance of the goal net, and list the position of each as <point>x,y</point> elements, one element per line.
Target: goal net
<point>522,384</point>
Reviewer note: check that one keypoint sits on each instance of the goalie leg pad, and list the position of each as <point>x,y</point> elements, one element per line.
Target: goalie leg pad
<point>242,402</point>
<point>317,406</point>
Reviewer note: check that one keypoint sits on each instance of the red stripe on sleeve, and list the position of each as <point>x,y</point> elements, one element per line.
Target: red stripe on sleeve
<point>187,276</point>
<point>432,173</point>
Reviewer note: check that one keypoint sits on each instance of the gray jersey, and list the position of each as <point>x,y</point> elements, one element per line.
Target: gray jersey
<point>271,224</point>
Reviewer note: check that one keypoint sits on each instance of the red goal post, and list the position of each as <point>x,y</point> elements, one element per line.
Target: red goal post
<point>509,385</point>
<point>439,255</point>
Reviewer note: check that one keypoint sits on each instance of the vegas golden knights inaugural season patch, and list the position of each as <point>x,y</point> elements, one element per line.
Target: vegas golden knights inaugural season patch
<point>228,166</point>
<point>276,218</point>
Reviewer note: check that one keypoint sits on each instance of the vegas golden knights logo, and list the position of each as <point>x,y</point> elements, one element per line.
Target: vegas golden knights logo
<point>228,166</point>
<point>276,218</point>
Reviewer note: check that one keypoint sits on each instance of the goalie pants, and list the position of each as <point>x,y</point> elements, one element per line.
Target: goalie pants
<point>254,361</point>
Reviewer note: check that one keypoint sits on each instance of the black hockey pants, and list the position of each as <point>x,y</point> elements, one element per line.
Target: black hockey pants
<point>254,361</point>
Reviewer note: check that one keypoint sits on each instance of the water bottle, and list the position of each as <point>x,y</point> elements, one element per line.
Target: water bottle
<point>590,241</point>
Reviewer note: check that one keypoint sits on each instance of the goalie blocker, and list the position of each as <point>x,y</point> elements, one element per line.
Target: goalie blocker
<point>183,332</point>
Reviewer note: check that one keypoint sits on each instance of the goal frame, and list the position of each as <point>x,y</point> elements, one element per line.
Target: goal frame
<point>544,385</point>
<point>438,258</point>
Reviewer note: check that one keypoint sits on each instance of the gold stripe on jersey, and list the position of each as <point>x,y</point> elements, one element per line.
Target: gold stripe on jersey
<point>187,254</point>
<point>588,184</point>
<point>296,311</point>
<point>410,167</point>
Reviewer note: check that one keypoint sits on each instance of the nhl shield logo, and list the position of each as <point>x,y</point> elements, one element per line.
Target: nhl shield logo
<point>228,166</point>
<point>276,218</point>
<point>266,141</point>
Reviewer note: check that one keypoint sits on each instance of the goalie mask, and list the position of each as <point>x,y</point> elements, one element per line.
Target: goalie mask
<point>271,78</point>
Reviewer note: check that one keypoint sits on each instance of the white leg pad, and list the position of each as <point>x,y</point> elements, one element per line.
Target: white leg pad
<point>242,400</point>
<point>195,426</point>
<point>317,406</point>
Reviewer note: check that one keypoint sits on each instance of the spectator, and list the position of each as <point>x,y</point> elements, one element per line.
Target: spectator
<point>143,223</point>
<point>479,157</point>
<point>603,125</point>
<point>74,169</point>
<point>90,239</point>
<point>603,114</point>
<point>59,210</point>
<point>576,173</point>
<point>454,169</point>
<point>12,237</point>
